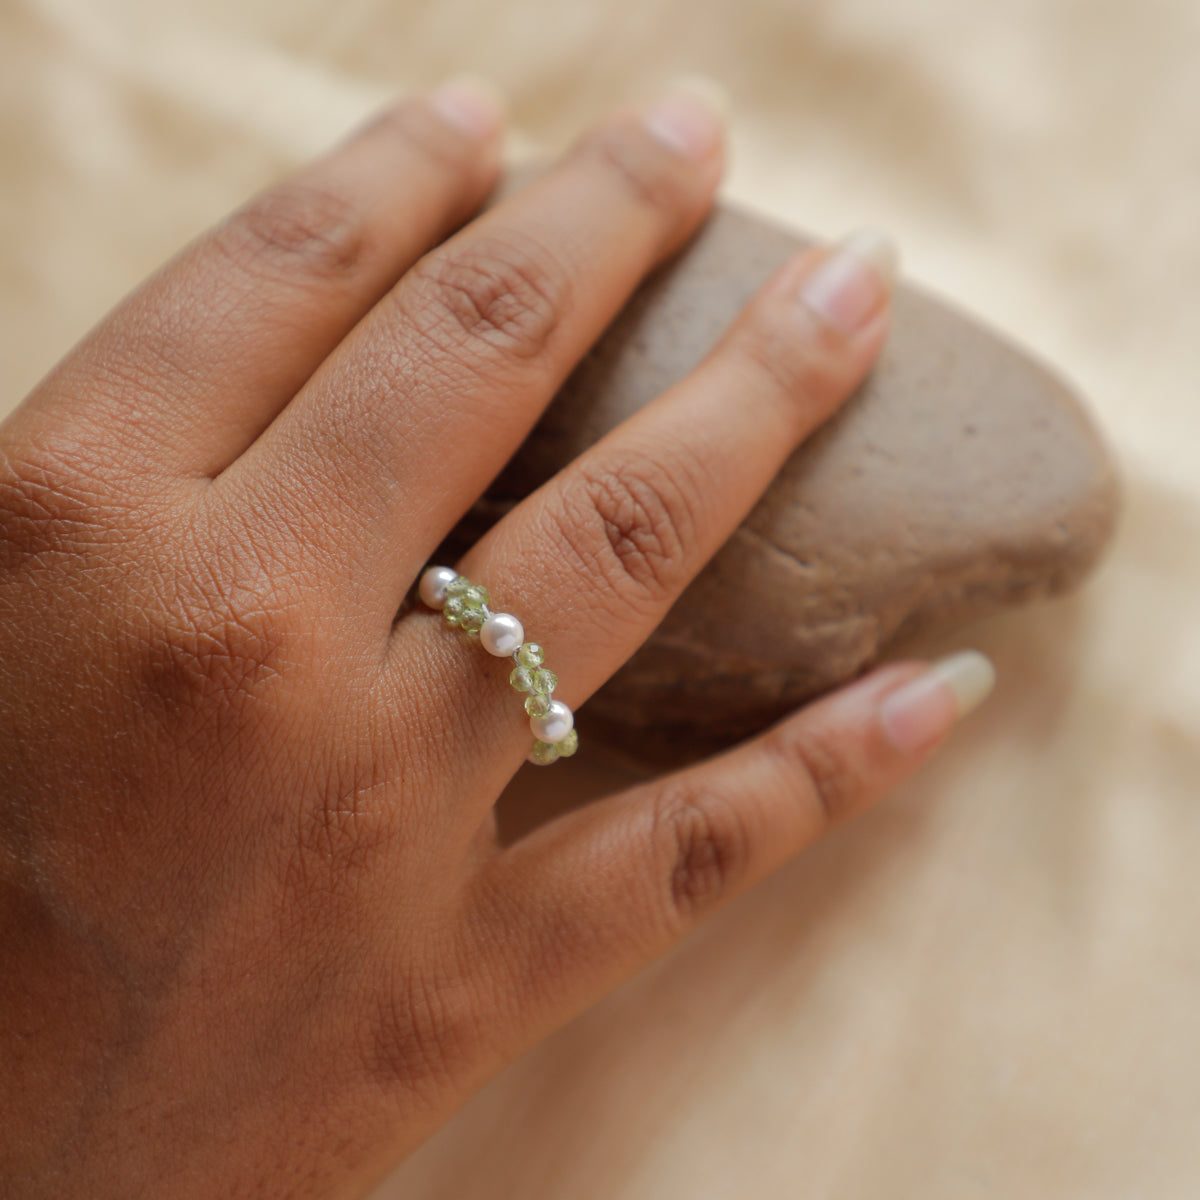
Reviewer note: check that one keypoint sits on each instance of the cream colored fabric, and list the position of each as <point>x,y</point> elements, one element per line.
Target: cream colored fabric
<point>990,986</point>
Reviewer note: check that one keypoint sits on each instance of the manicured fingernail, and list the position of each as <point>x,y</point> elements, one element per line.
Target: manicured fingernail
<point>470,103</point>
<point>689,118</point>
<point>854,282</point>
<point>922,712</point>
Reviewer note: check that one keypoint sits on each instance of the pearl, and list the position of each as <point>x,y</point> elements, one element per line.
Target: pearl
<point>555,725</point>
<point>501,634</point>
<point>432,588</point>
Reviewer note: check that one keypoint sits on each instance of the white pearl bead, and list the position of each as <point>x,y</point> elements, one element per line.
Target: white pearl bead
<point>432,588</point>
<point>555,725</point>
<point>501,634</point>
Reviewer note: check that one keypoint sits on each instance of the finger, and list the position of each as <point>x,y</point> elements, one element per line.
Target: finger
<point>400,430</point>
<point>586,901</point>
<point>591,562</point>
<point>190,369</point>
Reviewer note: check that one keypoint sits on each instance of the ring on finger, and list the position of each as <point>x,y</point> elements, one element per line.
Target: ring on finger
<point>466,605</point>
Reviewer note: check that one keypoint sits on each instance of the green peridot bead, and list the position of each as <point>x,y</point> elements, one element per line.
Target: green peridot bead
<point>454,607</point>
<point>543,753</point>
<point>544,681</point>
<point>537,706</point>
<point>531,655</point>
<point>472,620</point>
<point>476,596</point>
<point>458,585</point>
<point>521,680</point>
<point>569,744</point>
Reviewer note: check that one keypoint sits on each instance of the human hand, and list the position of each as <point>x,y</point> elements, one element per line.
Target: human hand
<point>257,936</point>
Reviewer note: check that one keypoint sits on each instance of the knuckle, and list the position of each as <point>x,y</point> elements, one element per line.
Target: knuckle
<point>491,297</point>
<point>643,167</point>
<point>705,848</point>
<point>814,763</point>
<point>297,226</point>
<point>632,523</point>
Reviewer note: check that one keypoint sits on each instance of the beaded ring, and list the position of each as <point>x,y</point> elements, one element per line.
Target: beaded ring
<point>465,604</point>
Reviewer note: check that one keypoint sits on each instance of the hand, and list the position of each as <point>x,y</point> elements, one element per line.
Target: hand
<point>257,937</point>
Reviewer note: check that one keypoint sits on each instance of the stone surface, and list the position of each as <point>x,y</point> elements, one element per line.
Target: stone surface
<point>964,476</point>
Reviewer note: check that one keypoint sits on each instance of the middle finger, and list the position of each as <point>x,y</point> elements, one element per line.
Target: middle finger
<point>402,427</point>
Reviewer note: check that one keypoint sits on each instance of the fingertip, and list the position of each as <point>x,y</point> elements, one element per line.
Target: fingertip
<point>690,117</point>
<point>472,104</point>
<point>850,286</point>
<point>878,250</point>
<point>920,714</point>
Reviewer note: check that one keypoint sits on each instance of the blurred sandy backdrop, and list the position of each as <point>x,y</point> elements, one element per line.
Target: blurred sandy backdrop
<point>991,986</point>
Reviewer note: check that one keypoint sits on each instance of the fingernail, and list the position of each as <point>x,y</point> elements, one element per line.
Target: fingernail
<point>922,712</point>
<point>854,282</point>
<point>470,103</point>
<point>689,118</point>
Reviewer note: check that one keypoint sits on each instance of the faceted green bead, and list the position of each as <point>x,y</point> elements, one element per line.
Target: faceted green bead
<point>543,753</point>
<point>477,595</point>
<point>537,705</point>
<point>531,655</point>
<point>454,608</point>
<point>521,680</point>
<point>472,619</point>
<point>544,681</point>
<point>458,585</point>
<point>569,744</point>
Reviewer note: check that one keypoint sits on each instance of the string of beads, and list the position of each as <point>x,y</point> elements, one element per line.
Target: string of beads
<point>465,605</point>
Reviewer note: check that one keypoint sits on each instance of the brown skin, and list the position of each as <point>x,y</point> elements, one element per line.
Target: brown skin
<point>257,937</point>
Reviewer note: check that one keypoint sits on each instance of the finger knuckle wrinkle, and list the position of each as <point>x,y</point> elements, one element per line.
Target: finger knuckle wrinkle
<point>296,225</point>
<point>815,764</point>
<point>706,847</point>
<point>492,297</point>
<point>634,522</point>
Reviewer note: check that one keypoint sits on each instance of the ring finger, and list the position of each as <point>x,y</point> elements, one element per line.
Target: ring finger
<point>592,560</point>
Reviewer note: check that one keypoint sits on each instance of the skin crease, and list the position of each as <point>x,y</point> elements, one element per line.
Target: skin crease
<point>257,937</point>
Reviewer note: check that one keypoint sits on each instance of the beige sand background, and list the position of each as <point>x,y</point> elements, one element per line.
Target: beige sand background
<point>991,986</point>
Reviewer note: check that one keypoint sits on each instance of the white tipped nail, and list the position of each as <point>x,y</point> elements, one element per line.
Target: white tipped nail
<point>474,104</point>
<point>852,283</point>
<point>922,712</point>
<point>970,676</point>
<point>875,247</point>
<point>689,117</point>
<point>709,90</point>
